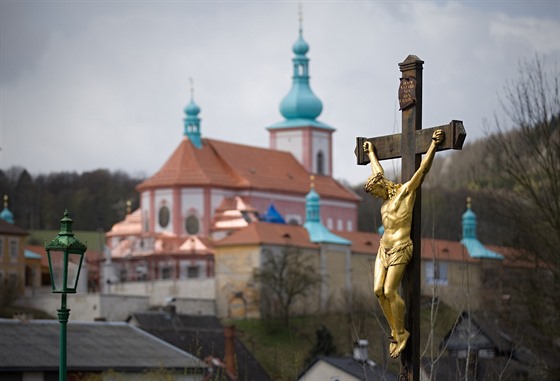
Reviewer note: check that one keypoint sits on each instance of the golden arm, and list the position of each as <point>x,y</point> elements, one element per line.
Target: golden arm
<point>375,166</point>
<point>426,163</point>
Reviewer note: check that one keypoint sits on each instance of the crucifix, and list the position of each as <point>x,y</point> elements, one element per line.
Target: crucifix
<point>399,255</point>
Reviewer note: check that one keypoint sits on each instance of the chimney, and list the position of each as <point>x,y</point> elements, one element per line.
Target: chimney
<point>229,350</point>
<point>361,350</point>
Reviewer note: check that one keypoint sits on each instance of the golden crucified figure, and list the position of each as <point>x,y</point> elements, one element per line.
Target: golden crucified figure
<point>395,247</point>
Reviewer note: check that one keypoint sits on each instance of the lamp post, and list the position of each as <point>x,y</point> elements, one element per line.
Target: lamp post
<point>65,254</point>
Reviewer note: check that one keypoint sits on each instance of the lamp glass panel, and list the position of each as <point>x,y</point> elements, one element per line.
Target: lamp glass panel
<point>73,270</point>
<point>57,268</point>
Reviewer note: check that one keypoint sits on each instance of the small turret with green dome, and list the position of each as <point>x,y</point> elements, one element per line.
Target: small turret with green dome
<point>192,121</point>
<point>474,247</point>
<point>6,214</point>
<point>318,233</point>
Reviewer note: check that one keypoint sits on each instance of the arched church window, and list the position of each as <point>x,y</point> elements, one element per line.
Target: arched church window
<point>320,163</point>
<point>192,226</point>
<point>163,217</point>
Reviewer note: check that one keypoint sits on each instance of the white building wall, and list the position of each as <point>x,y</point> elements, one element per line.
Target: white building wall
<point>192,296</point>
<point>320,143</point>
<point>163,197</point>
<point>192,204</point>
<point>88,307</point>
<point>291,141</point>
<point>145,205</point>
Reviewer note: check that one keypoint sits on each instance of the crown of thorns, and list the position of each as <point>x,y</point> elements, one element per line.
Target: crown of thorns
<point>373,180</point>
<point>377,178</point>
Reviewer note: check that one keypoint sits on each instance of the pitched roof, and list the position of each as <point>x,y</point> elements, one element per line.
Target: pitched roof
<point>265,233</point>
<point>357,369</point>
<point>201,335</point>
<point>362,242</point>
<point>92,346</point>
<point>11,229</point>
<point>131,225</point>
<point>238,166</point>
<point>440,249</point>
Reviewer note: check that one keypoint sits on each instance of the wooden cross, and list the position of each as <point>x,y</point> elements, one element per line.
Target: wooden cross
<point>410,145</point>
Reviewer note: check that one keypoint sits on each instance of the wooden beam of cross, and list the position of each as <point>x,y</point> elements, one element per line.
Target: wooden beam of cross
<point>410,145</point>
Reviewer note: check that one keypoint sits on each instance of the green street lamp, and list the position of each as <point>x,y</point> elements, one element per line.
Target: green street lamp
<point>65,254</point>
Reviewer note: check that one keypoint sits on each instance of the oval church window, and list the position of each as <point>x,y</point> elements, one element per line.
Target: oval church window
<point>163,216</point>
<point>192,225</point>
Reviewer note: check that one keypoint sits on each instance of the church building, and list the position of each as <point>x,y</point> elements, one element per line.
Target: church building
<point>209,188</point>
<point>182,198</point>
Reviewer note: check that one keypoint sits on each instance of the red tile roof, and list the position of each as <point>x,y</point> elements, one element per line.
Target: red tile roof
<point>265,233</point>
<point>442,250</point>
<point>362,242</point>
<point>11,229</point>
<point>231,165</point>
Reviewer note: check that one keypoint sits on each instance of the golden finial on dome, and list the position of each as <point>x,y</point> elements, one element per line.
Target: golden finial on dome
<point>469,202</point>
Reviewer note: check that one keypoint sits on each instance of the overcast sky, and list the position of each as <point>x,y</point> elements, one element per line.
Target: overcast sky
<point>103,84</point>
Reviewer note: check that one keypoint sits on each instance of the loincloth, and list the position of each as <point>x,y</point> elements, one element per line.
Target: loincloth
<point>395,255</point>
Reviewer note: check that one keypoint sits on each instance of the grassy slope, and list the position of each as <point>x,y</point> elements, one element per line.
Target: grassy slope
<point>283,350</point>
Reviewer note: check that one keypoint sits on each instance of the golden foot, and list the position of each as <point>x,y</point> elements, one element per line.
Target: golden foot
<point>393,344</point>
<point>401,344</point>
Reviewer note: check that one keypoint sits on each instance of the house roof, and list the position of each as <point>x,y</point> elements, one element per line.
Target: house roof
<point>259,233</point>
<point>443,250</point>
<point>201,335</point>
<point>238,166</point>
<point>362,242</point>
<point>92,346</point>
<point>476,332</point>
<point>265,233</point>
<point>357,369</point>
<point>7,228</point>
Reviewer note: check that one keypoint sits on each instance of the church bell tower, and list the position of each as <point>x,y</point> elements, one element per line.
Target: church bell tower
<point>309,140</point>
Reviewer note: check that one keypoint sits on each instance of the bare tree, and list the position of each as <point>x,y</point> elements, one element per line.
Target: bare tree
<point>521,173</point>
<point>285,277</point>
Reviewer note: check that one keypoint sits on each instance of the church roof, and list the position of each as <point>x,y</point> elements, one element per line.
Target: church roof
<point>238,166</point>
<point>233,213</point>
<point>265,233</point>
<point>131,225</point>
